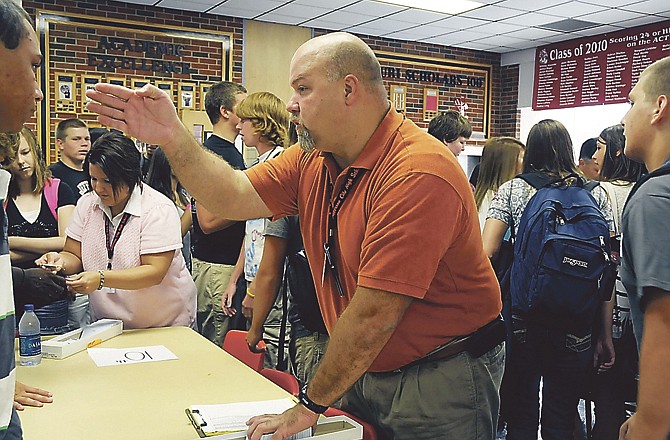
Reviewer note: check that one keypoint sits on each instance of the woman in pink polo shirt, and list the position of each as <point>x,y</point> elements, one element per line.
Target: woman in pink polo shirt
<point>123,247</point>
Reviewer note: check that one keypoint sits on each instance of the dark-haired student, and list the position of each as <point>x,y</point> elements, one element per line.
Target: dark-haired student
<point>134,271</point>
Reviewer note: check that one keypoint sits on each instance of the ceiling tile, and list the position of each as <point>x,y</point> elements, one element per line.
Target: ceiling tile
<point>497,28</point>
<point>446,40</point>
<point>458,22</point>
<point>184,5</point>
<point>573,9</point>
<point>235,12</point>
<point>301,12</point>
<point>256,5</point>
<point>610,3</point>
<point>492,12</point>
<point>529,5</point>
<point>531,19</point>
<point>597,30</point>
<point>479,45</point>
<point>658,7</point>
<point>502,40</point>
<point>611,16</point>
<point>143,2</point>
<point>387,25</point>
<point>534,34</point>
<point>374,9</point>
<point>413,34</point>
<point>328,4</point>
<point>273,17</point>
<point>324,24</point>
<point>647,19</point>
<point>467,35</point>
<point>418,16</point>
<point>345,18</point>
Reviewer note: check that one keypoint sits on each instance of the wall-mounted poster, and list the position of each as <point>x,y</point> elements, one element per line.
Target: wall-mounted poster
<point>430,103</point>
<point>117,80</point>
<point>186,96</point>
<point>65,92</point>
<point>167,87</point>
<point>204,88</point>
<point>138,83</point>
<point>398,97</point>
<point>87,82</point>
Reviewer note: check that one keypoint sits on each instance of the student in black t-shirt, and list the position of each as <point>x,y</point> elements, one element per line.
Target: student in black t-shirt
<point>74,141</point>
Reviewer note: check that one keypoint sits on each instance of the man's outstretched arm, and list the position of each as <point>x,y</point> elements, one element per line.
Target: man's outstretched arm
<point>149,115</point>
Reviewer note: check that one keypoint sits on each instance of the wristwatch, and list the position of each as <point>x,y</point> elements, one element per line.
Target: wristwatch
<point>309,404</point>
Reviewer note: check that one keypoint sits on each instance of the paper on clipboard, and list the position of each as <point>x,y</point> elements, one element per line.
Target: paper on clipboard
<point>211,420</point>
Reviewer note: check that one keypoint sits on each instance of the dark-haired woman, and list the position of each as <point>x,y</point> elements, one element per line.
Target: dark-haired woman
<point>541,353</point>
<point>611,389</point>
<point>161,178</point>
<point>123,245</point>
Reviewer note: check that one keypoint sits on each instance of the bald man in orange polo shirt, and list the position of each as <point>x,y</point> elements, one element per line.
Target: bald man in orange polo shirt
<point>391,232</point>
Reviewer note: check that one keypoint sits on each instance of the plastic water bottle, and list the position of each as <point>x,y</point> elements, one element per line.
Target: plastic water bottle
<point>30,343</point>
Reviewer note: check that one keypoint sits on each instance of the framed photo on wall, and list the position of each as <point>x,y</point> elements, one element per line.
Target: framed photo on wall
<point>117,80</point>
<point>399,97</point>
<point>204,88</point>
<point>138,83</point>
<point>430,103</point>
<point>167,87</point>
<point>65,92</point>
<point>186,96</point>
<point>87,83</point>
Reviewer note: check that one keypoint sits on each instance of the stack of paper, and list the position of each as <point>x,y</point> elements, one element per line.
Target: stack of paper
<point>211,420</point>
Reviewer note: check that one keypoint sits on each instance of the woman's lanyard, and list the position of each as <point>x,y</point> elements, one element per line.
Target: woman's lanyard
<point>333,210</point>
<point>117,234</point>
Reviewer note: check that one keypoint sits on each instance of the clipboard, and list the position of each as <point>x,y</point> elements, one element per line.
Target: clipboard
<point>230,418</point>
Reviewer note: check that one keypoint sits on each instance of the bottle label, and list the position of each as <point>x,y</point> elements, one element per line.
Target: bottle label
<point>30,345</point>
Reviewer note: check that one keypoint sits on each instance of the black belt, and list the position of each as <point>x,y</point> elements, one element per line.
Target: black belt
<point>476,344</point>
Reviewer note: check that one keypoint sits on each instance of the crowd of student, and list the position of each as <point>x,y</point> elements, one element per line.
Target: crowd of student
<point>363,192</point>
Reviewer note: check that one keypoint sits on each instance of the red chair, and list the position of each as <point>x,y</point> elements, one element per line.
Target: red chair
<point>285,380</point>
<point>235,344</point>
<point>369,432</point>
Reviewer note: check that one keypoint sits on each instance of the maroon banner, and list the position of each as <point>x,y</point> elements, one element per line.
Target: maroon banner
<point>596,70</point>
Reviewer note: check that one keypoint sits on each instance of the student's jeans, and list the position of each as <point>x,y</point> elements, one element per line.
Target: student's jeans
<point>53,318</point>
<point>562,361</point>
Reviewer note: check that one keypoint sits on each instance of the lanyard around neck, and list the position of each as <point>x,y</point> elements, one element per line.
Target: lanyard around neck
<point>117,234</point>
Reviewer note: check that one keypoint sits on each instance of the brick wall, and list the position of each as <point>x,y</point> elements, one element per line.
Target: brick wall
<point>67,44</point>
<point>71,46</point>
<point>508,114</point>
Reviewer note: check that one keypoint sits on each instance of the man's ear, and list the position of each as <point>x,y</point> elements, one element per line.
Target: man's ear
<point>661,110</point>
<point>351,86</point>
<point>224,112</point>
<point>59,144</point>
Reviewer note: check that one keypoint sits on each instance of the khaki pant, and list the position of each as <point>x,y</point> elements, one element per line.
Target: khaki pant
<point>455,398</point>
<point>211,280</point>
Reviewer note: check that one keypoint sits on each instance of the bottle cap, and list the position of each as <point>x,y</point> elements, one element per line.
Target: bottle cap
<point>29,307</point>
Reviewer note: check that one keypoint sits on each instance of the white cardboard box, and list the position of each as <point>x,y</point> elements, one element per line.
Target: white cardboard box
<point>327,428</point>
<point>78,340</point>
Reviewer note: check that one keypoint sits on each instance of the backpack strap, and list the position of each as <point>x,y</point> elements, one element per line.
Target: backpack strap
<point>536,179</point>
<point>591,185</point>
<point>51,195</point>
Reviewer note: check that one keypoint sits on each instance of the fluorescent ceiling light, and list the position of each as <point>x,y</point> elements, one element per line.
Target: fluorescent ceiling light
<point>448,7</point>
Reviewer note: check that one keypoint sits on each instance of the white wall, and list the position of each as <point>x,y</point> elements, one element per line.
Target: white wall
<point>581,122</point>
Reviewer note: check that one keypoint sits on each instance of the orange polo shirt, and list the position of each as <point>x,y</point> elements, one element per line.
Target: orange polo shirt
<point>409,226</point>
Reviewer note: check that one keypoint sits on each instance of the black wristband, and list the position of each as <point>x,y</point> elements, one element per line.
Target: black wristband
<point>309,404</point>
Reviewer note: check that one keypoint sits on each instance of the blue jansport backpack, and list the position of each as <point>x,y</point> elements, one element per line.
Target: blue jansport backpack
<point>562,269</point>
